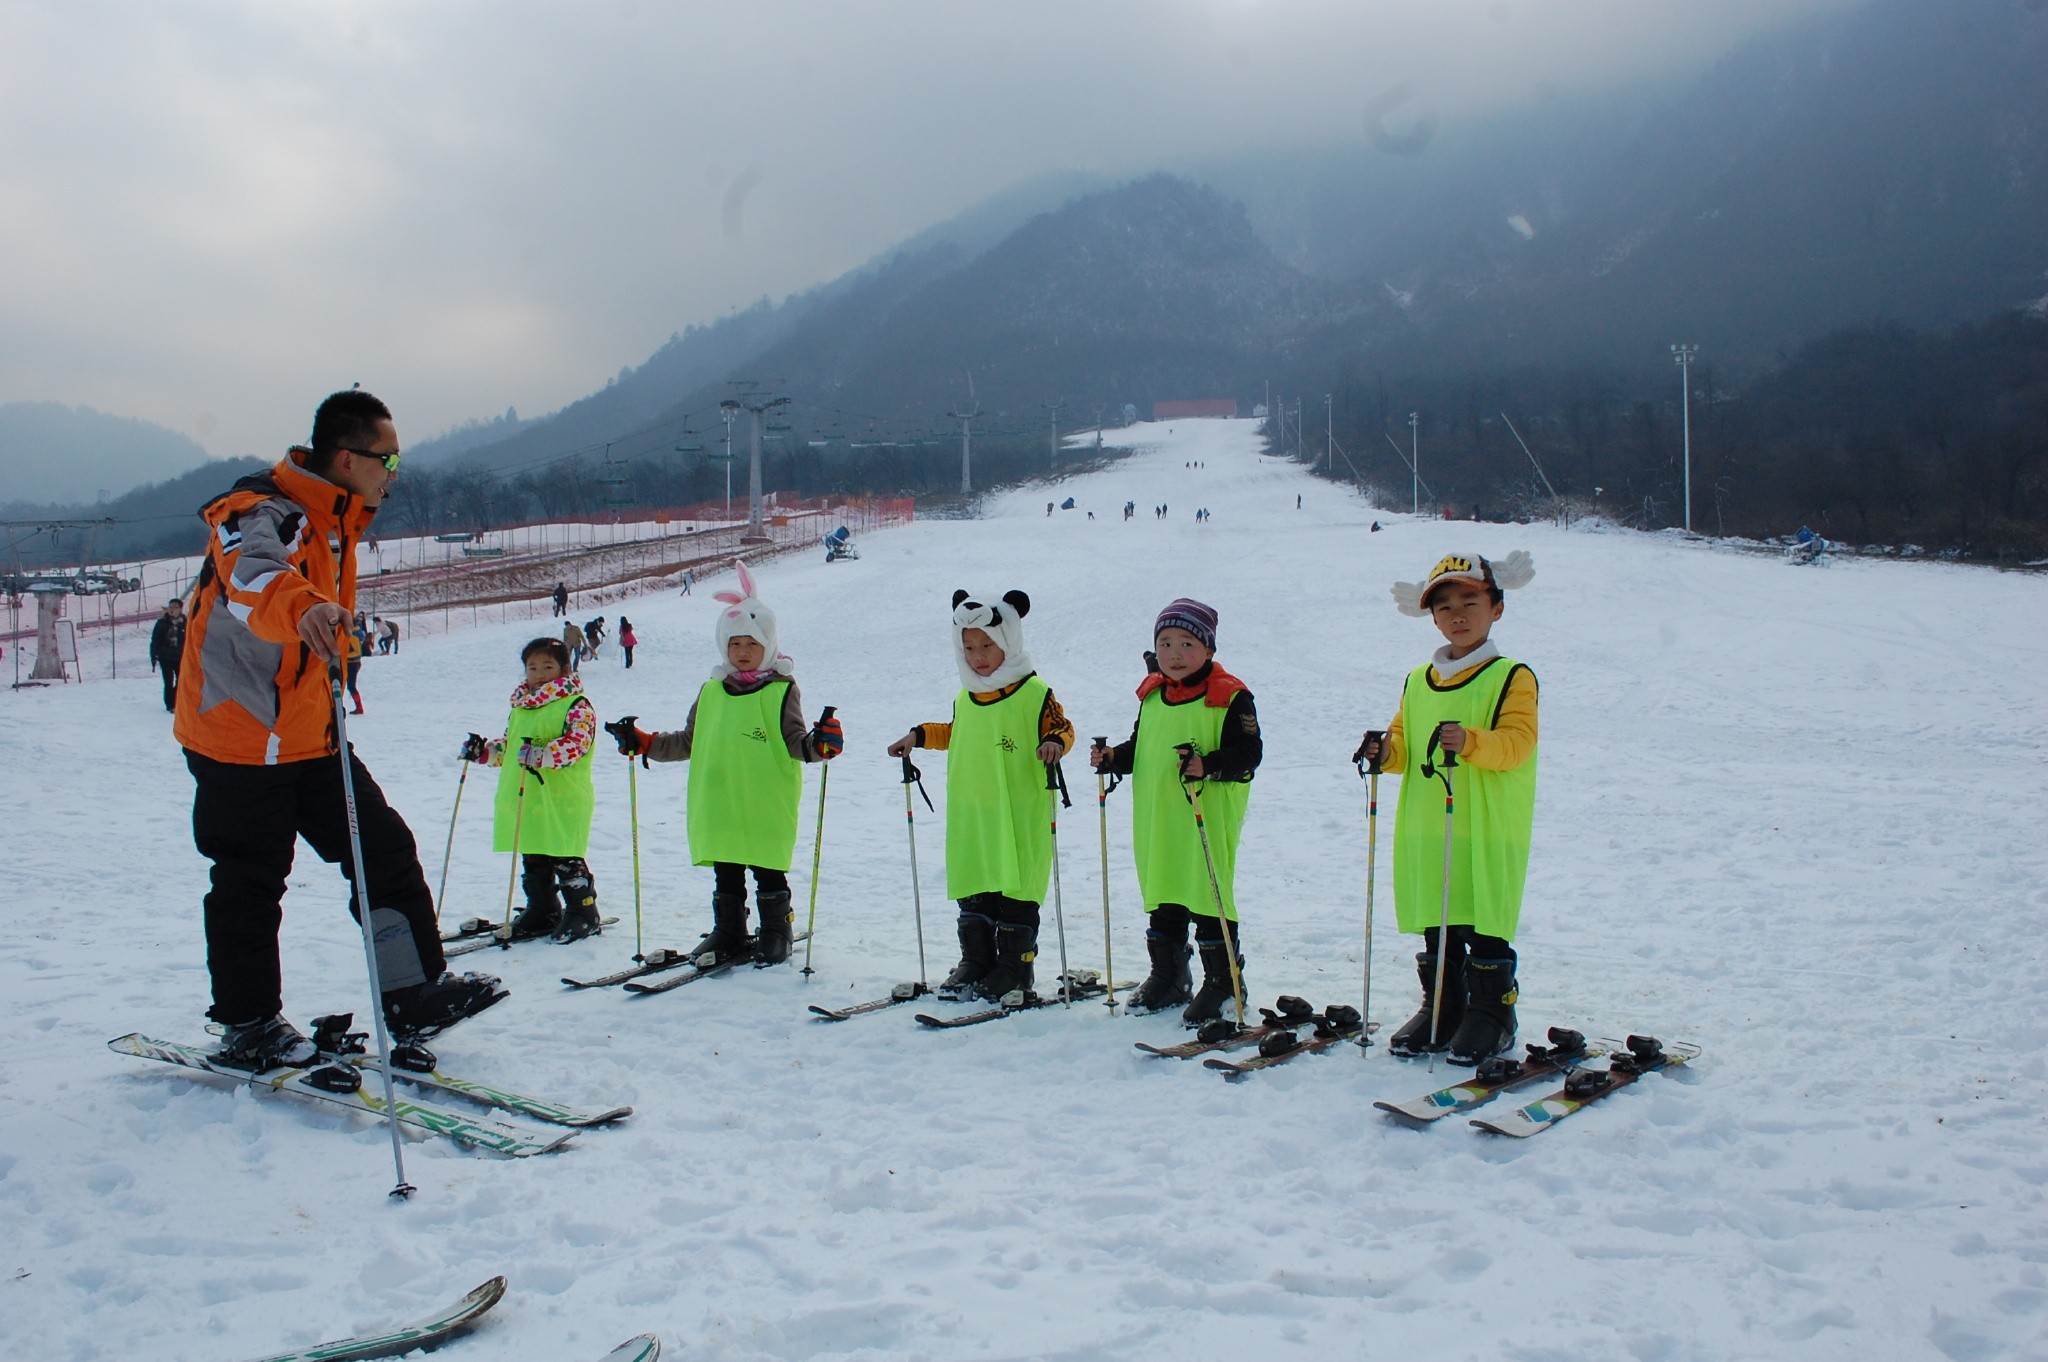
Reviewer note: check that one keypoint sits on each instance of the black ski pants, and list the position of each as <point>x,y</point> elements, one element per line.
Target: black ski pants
<point>170,677</point>
<point>247,820</point>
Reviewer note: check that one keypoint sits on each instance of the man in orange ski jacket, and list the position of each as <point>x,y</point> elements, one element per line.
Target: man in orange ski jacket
<point>256,718</point>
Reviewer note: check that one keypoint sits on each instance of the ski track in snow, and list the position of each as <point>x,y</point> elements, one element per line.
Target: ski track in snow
<point>1793,815</point>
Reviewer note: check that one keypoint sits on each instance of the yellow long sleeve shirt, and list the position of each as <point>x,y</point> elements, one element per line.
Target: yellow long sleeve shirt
<point>1501,748</point>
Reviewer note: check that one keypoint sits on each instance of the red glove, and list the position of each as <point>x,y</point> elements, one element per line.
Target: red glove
<point>828,737</point>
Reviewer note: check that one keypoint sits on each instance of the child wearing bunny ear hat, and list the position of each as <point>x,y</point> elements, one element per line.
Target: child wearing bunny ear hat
<point>1472,701</point>
<point>744,785</point>
<point>1006,727</point>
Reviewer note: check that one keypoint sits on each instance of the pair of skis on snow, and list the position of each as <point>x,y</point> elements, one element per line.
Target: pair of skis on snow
<point>338,1081</point>
<point>480,933</point>
<point>661,961</point>
<point>439,1328</point>
<point>1073,987</point>
<point>1567,1055</point>
<point>1278,1037</point>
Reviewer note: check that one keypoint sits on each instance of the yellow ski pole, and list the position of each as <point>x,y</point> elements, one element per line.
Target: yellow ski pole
<point>448,851</point>
<point>1102,819</point>
<point>817,854</point>
<point>1441,772</point>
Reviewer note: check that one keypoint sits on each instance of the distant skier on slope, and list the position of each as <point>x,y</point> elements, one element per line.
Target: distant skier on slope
<point>1196,725</point>
<point>256,719</point>
<point>744,791</point>
<point>1006,726</point>
<point>1482,707</point>
<point>552,728</point>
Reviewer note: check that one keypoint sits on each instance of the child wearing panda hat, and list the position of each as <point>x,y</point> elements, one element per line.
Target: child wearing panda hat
<point>1006,726</point>
<point>744,792</point>
<point>1470,700</point>
<point>1196,725</point>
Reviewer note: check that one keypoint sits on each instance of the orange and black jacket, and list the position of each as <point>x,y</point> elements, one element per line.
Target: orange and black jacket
<point>250,691</point>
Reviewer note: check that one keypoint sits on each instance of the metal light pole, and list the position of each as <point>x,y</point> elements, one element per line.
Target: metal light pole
<point>1329,438</point>
<point>1683,355</point>
<point>1414,464</point>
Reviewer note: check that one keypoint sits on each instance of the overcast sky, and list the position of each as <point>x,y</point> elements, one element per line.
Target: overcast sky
<point>212,214</point>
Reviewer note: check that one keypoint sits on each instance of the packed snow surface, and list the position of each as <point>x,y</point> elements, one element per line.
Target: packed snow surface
<point>1793,815</point>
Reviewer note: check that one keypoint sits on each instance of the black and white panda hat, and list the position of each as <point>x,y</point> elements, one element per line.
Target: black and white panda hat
<point>1002,619</point>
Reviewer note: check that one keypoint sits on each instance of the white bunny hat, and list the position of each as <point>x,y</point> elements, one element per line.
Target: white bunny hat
<point>1509,574</point>
<point>1002,619</point>
<point>746,615</point>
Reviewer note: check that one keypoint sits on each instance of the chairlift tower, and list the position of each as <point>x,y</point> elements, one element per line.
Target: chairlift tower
<point>966,419</point>
<point>1683,355</point>
<point>756,404</point>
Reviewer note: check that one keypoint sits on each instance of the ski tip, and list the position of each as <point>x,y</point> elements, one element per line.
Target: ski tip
<point>639,1348</point>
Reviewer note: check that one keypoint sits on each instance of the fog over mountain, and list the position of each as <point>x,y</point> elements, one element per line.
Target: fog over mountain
<point>53,453</point>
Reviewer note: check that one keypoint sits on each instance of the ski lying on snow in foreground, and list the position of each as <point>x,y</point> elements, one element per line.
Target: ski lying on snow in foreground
<point>1333,1025</point>
<point>430,1332</point>
<point>640,1348</point>
<point>1567,1050</point>
<point>465,941</point>
<point>415,1064</point>
<point>902,993</point>
<point>478,1132</point>
<point>1081,985</point>
<point>704,971</point>
<point>1641,1055</point>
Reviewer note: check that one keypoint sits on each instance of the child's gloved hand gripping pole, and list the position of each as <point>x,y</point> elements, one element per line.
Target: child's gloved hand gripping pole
<point>913,776</point>
<point>832,741</point>
<point>1102,790</point>
<point>1056,795</point>
<point>1193,790</point>
<point>1369,771</point>
<point>1441,772</point>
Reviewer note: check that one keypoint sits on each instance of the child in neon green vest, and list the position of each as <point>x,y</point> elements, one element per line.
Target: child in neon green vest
<point>1199,728</point>
<point>548,738</point>
<point>1471,701</point>
<point>1006,727</point>
<point>746,743</point>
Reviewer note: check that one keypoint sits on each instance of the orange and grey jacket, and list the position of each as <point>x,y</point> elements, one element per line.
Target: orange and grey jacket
<point>251,692</point>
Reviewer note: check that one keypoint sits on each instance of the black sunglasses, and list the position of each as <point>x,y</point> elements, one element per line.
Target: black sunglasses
<point>390,461</point>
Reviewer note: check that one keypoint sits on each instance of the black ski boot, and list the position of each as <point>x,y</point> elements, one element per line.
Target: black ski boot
<point>977,956</point>
<point>1413,1037</point>
<point>1488,1027</point>
<point>420,1012</point>
<point>580,919</point>
<point>728,935</point>
<point>542,915</point>
<point>1166,942</point>
<point>1217,991</point>
<point>776,918</point>
<point>268,1043</point>
<point>1016,946</point>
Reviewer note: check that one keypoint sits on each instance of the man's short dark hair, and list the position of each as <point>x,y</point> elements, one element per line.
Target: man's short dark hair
<point>345,419</point>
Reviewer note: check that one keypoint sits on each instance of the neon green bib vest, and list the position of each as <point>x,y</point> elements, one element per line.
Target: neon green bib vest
<point>744,785</point>
<point>555,820</point>
<point>998,823</point>
<point>1169,853</point>
<point>1494,813</point>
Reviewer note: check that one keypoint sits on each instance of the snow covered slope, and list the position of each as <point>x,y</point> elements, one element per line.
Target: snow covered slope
<point>1795,815</point>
